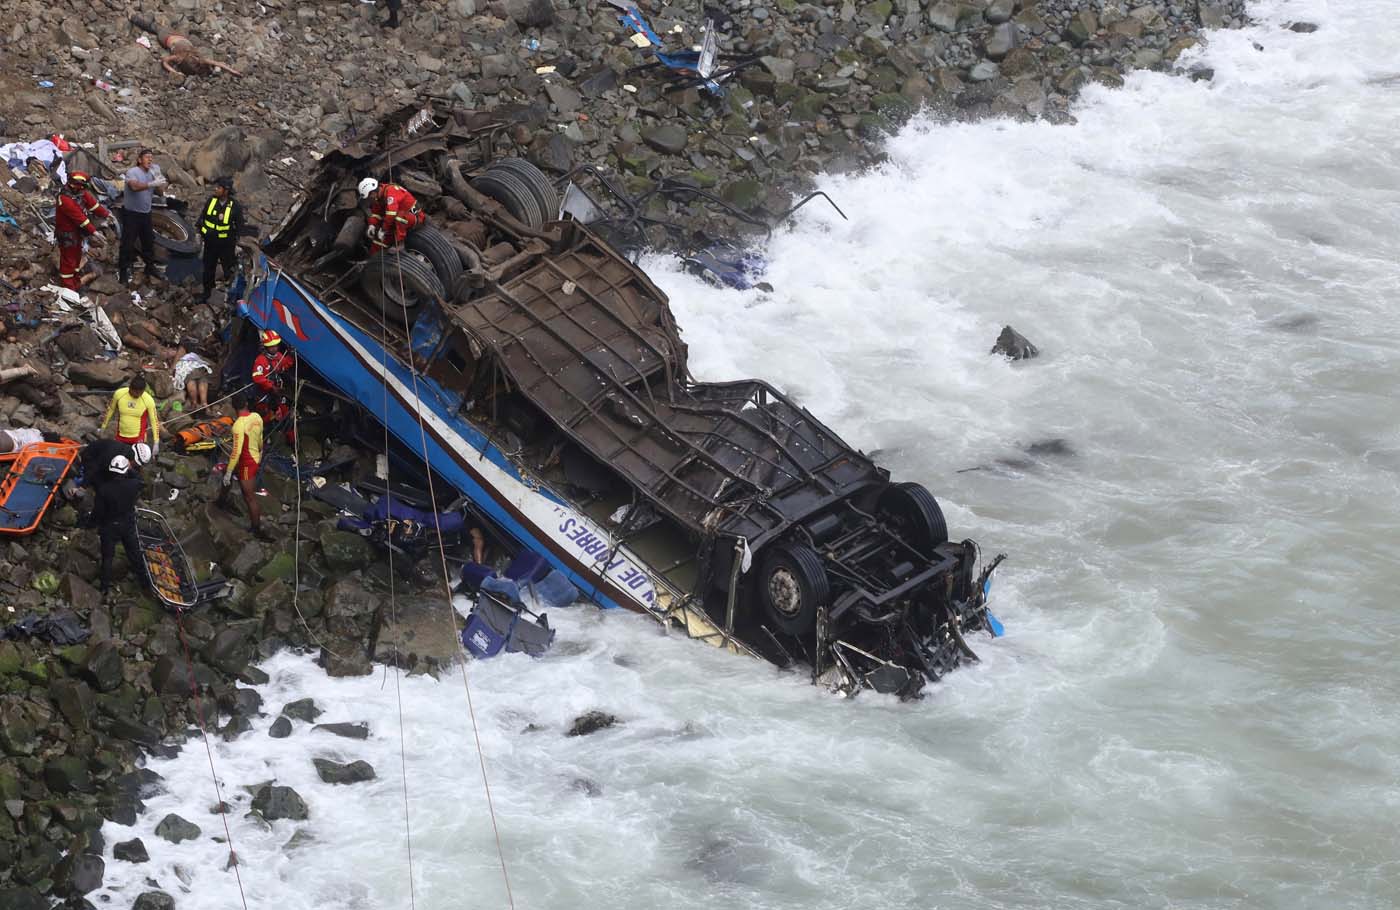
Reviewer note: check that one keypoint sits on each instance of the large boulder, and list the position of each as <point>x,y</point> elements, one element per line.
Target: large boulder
<point>68,774</point>
<point>591,722</point>
<point>301,709</point>
<point>1011,343</point>
<point>222,154</point>
<point>175,829</point>
<point>99,374</point>
<point>333,772</point>
<point>274,803</point>
<point>103,666</point>
<point>78,874</point>
<point>131,851</point>
<point>344,551</point>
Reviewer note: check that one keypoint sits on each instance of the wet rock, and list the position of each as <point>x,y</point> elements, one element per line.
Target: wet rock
<point>131,851</point>
<point>281,728</point>
<point>344,551</point>
<point>349,731</point>
<point>1013,344</point>
<point>68,774</point>
<point>229,650</point>
<point>336,773</point>
<point>591,722</point>
<point>275,803</point>
<point>23,899</point>
<point>1303,28</point>
<point>75,701</point>
<point>175,829</point>
<point>237,725</point>
<point>302,709</point>
<point>347,659</point>
<point>78,874</point>
<point>154,900</point>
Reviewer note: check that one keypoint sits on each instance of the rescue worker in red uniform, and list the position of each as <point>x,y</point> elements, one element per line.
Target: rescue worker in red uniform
<point>393,212</point>
<point>73,223</point>
<point>271,370</point>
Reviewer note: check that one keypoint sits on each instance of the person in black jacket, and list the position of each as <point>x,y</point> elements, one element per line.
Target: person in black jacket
<point>220,225</point>
<point>115,517</point>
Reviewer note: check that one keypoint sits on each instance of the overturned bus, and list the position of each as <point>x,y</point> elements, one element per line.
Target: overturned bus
<point>541,374</point>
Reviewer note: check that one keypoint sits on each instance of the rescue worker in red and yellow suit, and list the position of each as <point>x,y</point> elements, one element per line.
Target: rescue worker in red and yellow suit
<point>73,223</point>
<point>393,212</point>
<point>271,370</point>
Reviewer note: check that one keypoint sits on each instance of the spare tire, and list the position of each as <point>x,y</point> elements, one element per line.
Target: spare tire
<point>400,279</point>
<point>914,515</point>
<point>436,247</point>
<point>792,585</point>
<point>173,233</point>
<point>539,185</point>
<point>513,193</point>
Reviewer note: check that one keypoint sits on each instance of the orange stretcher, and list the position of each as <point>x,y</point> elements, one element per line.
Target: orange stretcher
<point>34,475</point>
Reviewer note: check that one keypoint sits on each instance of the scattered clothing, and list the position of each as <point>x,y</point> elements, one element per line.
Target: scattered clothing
<point>62,628</point>
<point>16,154</point>
<point>189,367</point>
<point>16,438</point>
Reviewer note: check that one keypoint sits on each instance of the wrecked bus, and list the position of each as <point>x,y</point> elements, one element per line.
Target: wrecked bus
<point>543,376</point>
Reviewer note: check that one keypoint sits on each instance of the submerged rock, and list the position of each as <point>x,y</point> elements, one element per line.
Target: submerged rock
<point>154,900</point>
<point>1013,344</point>
<point>591,722</point>
<point>281,728</point>
<point>349,731</point>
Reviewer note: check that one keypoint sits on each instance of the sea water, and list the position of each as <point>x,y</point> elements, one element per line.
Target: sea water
<point>1197,484</point>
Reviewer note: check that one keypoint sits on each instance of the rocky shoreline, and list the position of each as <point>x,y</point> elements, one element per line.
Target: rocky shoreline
<point>830,81</point>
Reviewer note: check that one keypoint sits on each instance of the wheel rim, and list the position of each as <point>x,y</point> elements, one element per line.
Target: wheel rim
<point>784,591</point>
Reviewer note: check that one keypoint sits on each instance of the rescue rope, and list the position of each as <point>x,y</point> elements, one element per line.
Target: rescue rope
<point>209,751</point>
<point>393,600</point>
<point>447,586</point>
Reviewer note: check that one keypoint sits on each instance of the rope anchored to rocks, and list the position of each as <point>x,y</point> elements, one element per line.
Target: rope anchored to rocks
<point>447,590</point>
<point>209,751</point>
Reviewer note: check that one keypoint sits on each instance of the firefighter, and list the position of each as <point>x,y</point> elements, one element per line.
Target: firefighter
<point>222,223</point>
<point>393,212</point>
<point>269,377</point>
<point>73,223</point>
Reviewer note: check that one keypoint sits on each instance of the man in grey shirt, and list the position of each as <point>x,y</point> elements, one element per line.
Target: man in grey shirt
<point>141,180</point>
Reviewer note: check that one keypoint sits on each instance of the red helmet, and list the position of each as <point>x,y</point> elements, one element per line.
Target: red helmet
<point>78,179</point>
<point>269,338</point>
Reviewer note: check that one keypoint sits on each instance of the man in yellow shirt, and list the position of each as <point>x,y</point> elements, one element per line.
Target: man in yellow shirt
<point>135,408</point>
<point>244,461</point>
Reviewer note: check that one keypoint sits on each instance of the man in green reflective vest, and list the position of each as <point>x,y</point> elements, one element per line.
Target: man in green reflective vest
<point>220,225</point>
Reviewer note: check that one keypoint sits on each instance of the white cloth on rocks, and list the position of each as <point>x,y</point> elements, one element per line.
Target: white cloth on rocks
<point>187,365</point>
<point>17,153</point>
<point>22,436</point>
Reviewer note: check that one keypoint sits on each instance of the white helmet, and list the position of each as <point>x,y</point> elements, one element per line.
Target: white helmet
<point>367,186</point>
<point>141,454</point>
<point>119,465</point>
